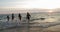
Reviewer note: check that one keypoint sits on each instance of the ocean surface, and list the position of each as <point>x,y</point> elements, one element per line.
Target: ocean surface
<point>36,24</point>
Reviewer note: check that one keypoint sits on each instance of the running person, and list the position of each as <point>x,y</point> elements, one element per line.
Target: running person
<point>19,16</point>
<point>8,18</point>
<point>12,16</point>
<point>28,16</point>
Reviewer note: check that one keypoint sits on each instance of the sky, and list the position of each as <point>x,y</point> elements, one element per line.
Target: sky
<point>28,4</point>
<point>49,4</point>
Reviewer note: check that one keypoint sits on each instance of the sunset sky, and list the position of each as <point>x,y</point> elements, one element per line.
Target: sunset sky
<point>28,4</point>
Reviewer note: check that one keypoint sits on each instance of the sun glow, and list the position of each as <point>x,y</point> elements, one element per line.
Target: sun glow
<point>49,4</point>
<point>51,20</point>
<point>50,11</point>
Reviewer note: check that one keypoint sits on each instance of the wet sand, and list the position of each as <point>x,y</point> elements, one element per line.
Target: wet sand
<point>24,29</point>
<point>33,29</point>
<point>53,29</point>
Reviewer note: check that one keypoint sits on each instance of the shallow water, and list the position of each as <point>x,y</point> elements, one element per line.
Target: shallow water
<point>35,24</point>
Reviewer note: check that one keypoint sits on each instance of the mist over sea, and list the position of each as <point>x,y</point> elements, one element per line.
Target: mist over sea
<point>36,24</point>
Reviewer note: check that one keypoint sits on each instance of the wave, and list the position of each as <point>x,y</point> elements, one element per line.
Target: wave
<point>16,23</point>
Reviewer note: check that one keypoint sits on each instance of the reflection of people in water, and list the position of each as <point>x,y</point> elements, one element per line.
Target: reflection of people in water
<point>8,18</point>
<point>19,16</point>
<point>28,16</point>
<point>12,16</point>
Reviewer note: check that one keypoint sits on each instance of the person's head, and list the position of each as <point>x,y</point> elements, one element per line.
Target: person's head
<point>12,13</point>
<point>27,12</point>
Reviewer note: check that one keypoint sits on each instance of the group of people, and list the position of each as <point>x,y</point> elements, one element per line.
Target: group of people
<point>19,16</point>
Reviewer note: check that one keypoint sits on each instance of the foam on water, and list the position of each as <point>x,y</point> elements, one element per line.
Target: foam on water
<point>35,21</point>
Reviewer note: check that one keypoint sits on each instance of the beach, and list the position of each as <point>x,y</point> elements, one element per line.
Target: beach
<point>36,24</point>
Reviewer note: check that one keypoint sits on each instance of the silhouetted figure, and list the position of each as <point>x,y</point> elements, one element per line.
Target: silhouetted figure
<point>19,16</point>
<point>28,16</point>
<point>12,16</point>
<point>8,18</point>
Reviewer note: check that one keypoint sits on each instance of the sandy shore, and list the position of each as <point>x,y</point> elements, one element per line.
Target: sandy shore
<point>24,29</point>
<point>53,29</point>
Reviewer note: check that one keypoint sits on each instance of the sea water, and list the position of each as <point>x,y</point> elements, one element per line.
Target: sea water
<point>35,23</point>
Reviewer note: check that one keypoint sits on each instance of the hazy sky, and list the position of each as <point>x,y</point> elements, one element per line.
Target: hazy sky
<point>45,4</point>
<point>30,3</point>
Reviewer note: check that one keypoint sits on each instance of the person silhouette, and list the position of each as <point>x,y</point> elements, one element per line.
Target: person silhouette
<point>19,16</point>
<point>28,20</point>
<point>12,16</point>
<point>28,16</point>
<point>8,18</point>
